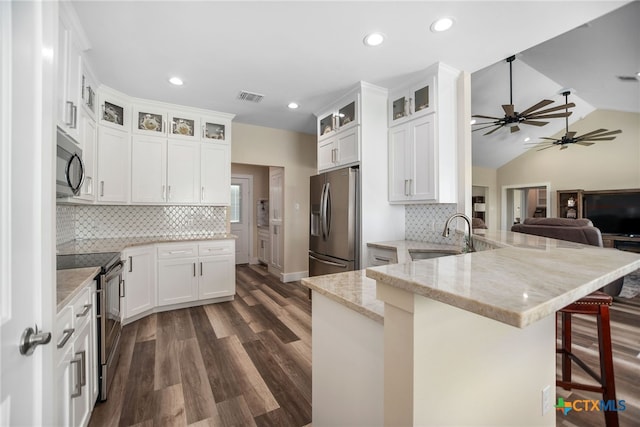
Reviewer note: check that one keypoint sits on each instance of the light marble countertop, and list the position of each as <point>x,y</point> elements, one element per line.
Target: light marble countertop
<point>70,282</point>
<point>352,289</point>
<point>119,244</point>
<point>523,280</point>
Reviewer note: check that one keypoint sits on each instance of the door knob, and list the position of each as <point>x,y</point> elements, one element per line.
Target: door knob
<point>30,339</point>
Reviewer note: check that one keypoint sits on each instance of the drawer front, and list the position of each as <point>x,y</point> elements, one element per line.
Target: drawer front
<point>65,332</point>
<point>223,247</point>
<point>378,256</point>
<point>177,251</point>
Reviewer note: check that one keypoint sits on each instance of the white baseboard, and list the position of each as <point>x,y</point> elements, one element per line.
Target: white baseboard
<point>292,277</point>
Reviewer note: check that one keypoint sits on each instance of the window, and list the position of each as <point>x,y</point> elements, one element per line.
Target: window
<point>236,203</point>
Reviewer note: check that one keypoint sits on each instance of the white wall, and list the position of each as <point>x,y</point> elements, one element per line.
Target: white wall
<point>296,152</point>
<point>602,166</point>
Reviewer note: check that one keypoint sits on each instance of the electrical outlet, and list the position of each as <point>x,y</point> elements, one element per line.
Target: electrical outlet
<point>546,400</point>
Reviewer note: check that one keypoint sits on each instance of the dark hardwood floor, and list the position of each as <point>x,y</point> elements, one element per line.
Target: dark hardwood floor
<point>248,362</point>
<point>240,363</point>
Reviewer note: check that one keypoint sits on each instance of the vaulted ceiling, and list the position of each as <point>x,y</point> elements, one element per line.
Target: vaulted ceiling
<point>310,52</point>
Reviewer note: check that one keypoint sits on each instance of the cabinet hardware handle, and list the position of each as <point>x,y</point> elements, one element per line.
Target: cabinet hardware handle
<point>405,113</point>
<point>194,269</point>
<point>101,188</point>
<point>85,311</point>
<point>130,264</point>
<point>202,194</point>
<point>77,387</point>
<point>178,252</point>
<point>69,114</point>
<point>164,192</point>
<point>383,259</point>
<point>411,106</point>
<point>74,116</point>
<point>168,192</point>
<point>83,367</point>
<point>122,288</point>
<point>201,268</point>
<point>203,134</point>
<point>67,334</point>
<point>89,187</point>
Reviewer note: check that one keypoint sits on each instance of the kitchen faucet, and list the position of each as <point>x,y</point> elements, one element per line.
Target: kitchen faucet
<point>469,244</point>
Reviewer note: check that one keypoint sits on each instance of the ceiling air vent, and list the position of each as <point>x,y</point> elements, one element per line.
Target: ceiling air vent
<point>628,78</point>
<point>250,96</point>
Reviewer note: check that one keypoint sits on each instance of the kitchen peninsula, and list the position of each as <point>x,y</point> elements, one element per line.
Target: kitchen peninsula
<point>464,340</point>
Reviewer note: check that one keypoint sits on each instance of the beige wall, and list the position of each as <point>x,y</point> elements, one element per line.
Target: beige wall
<point>260,189</point>
<point>602,166</point>
<point>296,152</point>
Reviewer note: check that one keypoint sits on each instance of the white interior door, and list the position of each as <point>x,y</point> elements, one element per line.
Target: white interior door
<point>241,216</point>
<point>27,202</point>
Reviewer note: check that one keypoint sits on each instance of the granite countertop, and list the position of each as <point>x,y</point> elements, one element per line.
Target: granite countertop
<point>522,280</point>
<point>70,282</point>
<point>119,244</point>
<point>352,289</point>
<point>402,247</point>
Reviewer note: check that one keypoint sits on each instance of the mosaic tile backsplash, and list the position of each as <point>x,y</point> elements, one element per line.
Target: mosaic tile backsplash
<point>425,223</point>
<point>102,222</point>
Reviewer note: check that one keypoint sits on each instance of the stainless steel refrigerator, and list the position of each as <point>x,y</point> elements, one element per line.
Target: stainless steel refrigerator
<point>334,233</point>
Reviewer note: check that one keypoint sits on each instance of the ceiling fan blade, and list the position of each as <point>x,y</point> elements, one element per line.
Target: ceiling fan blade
<point>540,104</point>
<point>596,138</point>
<point>534,123</point>
<point>486,127</point>
<point>551,110</point>
<point>586,144</point>
<point>551,139</point>
<point>598,135</point>
<point>549,116</point>
<point>486,117</point>
<point>564,147</point>
<point>492,131</point>
<point>508,110</point>
<point>514,129</point>
<point>495,122</point>
<point>546,148</point>
<point>570,135</point>
<point>594,132</point>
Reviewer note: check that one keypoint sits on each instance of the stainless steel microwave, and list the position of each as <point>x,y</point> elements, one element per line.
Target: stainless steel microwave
<point>69,166</point>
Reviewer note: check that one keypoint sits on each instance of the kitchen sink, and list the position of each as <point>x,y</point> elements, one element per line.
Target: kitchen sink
<point>417,254</point>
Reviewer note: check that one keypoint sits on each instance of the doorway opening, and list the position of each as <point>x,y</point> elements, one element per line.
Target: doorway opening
<point>524,201</point>
<point>241,216</point>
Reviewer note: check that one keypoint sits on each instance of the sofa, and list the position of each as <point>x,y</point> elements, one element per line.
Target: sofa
<point>574,230</point>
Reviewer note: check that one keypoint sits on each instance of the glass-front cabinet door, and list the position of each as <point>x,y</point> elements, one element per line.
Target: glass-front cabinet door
<point>326,125</point>
<point>347,115</point>
<point>399,108</point>
<point>149,121</point>
<point>183,126</point>
<point>342,116</point>
<point>214,129</point>
<point>412,101</point>
<point>113,112</point>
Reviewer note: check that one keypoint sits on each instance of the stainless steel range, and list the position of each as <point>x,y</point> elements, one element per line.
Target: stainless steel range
<point>108,313</point>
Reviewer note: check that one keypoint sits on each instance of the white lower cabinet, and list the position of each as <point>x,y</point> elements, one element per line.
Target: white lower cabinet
<point>263,245</point>
<point>217,269</point>
<point>177,281</point>
<point>76,360</point>
<point>139,281</point>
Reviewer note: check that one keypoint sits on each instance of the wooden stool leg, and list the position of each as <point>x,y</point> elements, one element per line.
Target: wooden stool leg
<point>566,348</point>
<point>606,364</point>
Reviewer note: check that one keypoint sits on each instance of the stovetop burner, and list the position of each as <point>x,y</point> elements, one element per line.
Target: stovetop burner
<point>102,259</point>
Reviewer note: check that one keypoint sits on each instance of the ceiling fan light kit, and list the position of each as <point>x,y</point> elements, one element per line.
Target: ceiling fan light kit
<point>587,139</point>
<point>532,116</point>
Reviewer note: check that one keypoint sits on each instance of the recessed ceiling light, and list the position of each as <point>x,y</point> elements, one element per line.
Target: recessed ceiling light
<point>472,122</point>
<point>176,81</point>
<point>527,139</point>
<point>442,24</point>
<point>373,39</point>
<point>293,105</point>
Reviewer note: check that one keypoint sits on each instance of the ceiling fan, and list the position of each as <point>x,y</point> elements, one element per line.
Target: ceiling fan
<point>587,139</point>
<point>530,116</point>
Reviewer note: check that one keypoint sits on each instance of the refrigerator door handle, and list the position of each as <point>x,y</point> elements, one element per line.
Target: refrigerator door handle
<point>335,264</point>
<point>323,212</point>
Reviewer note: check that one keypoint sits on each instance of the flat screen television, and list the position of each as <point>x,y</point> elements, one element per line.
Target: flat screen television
<point>617,212</point>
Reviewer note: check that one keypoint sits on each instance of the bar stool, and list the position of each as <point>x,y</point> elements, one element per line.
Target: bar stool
<point>595,304</point>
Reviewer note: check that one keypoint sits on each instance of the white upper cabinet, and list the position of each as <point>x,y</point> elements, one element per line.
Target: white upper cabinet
<point>412,101</point>
<point>423,139</point>
<point>183,172</point>
<point>341,116</point>
<point>89,141</point>
<point>215,128</point>
<point>183,126</point>
<point>113,111</point>
<point>215,174</point>
<point>148,169</point>
<point>113,165</point>
<point>88,94</point>
<point>71,43</point>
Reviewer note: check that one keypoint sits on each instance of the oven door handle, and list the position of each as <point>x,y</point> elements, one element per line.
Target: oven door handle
<point>114,270</point>
<point>102,326</point>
